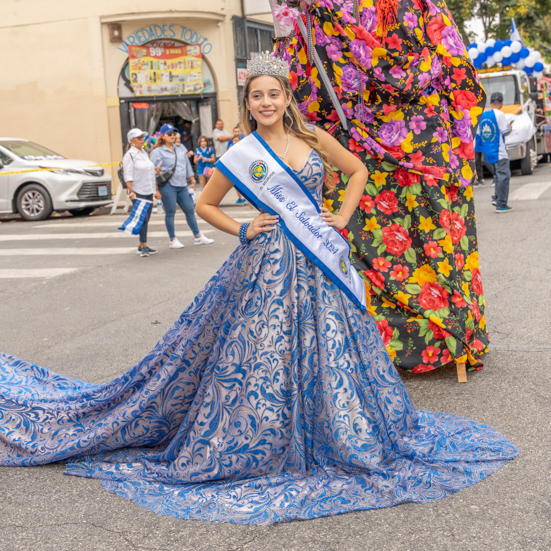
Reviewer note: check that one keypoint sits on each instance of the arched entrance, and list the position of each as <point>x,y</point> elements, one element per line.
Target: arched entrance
<point>149,112</point>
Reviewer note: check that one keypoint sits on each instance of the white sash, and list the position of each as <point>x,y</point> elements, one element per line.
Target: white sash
<point>272,186</point>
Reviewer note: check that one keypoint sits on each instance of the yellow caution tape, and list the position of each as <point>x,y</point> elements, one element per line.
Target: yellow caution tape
<point>52,169</point>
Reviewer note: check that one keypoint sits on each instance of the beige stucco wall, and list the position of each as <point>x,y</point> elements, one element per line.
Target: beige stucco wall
<point>60,71</point>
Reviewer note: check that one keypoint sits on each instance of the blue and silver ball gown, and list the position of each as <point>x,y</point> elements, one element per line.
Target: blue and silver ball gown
<point>271,399</point>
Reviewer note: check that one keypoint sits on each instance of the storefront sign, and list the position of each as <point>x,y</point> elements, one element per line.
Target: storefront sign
<point>156,71</point>
<point>241,76</point>
<point>177,32</point>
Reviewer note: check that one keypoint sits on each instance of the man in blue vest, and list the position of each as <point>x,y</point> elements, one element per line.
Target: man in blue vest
<point>490,140</point>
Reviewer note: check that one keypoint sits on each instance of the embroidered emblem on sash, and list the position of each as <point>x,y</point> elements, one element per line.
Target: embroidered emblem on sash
<point>258,171</point>
<point>343,266</point>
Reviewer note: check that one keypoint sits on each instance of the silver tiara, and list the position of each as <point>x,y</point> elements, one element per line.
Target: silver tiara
<point>267,64</point>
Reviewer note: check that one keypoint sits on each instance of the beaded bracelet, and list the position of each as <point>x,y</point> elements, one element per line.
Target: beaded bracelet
<point>243,234</point>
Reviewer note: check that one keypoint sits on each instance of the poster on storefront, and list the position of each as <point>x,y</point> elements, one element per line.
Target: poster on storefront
<point>158,71</point>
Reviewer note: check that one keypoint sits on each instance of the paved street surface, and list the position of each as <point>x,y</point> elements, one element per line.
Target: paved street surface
<point>76,298</point>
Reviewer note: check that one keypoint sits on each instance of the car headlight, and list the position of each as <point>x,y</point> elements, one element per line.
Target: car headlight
<point>65,171</point>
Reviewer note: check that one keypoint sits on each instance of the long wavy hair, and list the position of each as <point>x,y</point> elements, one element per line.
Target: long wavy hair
<point>294,123</point>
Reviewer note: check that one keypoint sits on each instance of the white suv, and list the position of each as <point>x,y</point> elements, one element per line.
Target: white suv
<point>76,186</point>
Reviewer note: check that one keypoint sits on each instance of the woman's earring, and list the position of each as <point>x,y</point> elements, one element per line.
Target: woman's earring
<point>250,116</point>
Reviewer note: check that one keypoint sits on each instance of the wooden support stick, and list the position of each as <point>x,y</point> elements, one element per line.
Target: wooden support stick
<point>461,373</point>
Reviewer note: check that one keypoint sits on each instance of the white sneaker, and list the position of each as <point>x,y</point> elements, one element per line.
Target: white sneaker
<point>175,244</point>
<point>202,240</point>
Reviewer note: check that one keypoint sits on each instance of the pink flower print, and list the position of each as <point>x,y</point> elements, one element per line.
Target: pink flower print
<point>321,38</point>
<point>454,162</point>
<point>378,72</point>
<point>361,52</point>
<point>393,133</point>
<point>397,72</point>
<point>286,15</point>
<point>441,135</point>
<point>424,80</point>
<point>417,124</point>
<point>368,19</point>
<point>452,42</point>
<point>349,79</point>
<point>333,52</point>
<point>410,20</point>
<point>348,111</point>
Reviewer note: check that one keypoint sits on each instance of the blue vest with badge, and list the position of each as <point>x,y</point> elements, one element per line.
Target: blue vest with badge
<point>488,138</point>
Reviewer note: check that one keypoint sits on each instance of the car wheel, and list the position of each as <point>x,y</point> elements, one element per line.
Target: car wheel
<point>82,212</point>
<point>527,164</point>
<point>33,203</point>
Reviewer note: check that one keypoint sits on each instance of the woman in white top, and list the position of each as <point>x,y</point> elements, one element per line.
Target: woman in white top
<point>139,174</point>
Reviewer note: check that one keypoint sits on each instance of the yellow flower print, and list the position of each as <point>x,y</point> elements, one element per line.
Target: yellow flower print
<point>469,193</point>
<point>411,203</point>
<point>482,323</point>
<point>379,178</point>
<point>426,224</point>
<point>402,297</point>
<point>328,203</point>
<point>371,224</point>
<point>341,195</point>
<point>423,274</point>
<point>446,244</point>
<point>472,261</point>
<point>444,267</point>
<point>391,353</point>
<point>465,287</point>
<point>437,321</point>
<point>388,304</point>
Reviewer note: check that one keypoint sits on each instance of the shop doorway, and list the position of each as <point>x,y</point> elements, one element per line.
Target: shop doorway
<point>195,111</point>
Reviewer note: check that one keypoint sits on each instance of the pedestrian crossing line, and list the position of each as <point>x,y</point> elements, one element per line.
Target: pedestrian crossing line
<point>81,236</point>
<point>530,192</point>
<point>69,251</point>
<point>111,224</point>
<point>46,273</point>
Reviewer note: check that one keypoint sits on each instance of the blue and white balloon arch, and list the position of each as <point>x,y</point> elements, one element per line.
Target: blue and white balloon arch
<point>506,52</point>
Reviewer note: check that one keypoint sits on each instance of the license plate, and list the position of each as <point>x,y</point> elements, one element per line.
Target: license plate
<point>102,191</point>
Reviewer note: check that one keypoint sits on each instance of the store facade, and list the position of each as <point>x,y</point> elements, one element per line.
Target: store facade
<point>77,84</point>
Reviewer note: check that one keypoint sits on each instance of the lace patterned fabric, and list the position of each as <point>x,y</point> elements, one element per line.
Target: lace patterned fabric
<point>271,399</point>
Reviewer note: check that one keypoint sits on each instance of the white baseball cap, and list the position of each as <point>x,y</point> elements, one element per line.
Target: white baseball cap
<point>134,133</point>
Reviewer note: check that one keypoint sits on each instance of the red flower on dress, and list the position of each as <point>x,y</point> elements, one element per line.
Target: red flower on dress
<point>475,310</point>
<point>422,368</point>
<point>394,42</point>
<point>376,278</point>
<point>344,233</point>
<point>430,111</point>
<point>417,157</point>
<point>465,98</point>
<point>476,282</point>
<point>293,79</point>
<point>432,249</point>
<point>459,260</point>
<point>433,296</point>
<point>457,299</point>
<point>406,178</point>
<point>396,239</point>
<point>446,357</point>
<point>439,333</point>
<point>353,145</point>
<point>452,193</point>
<point>385,330</point>
<point>458,228</point>
<point>435,27</point>
<point>381,264</point>
<point>387,202</point>
<point>400,272</point>
<point>465,150</point>
<point>366,203</point>
<point>459,75</point>
<point>430,354</point>
<point>478,345</point>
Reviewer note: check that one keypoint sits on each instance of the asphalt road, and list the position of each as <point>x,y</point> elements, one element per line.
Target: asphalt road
<point>104,310</point>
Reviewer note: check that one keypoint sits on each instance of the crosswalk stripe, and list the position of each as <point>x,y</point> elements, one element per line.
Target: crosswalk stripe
<point>79,236</point>
<point>34,272</point>
<point>112,224</point>
<point>69,251</point>
<point>530,192</point>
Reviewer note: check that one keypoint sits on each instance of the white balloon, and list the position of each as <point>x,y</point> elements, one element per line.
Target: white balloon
<point>530,61</point>
<point>537,75</point>
<point>521,63</point>
<point>498,56</point>
<point>506,51</point>
<point>473,53</point>
<point>482,47</point>
<point>491,42</point>
<point>516,46</point>
<point>537,56</point>
<point>490,62</point>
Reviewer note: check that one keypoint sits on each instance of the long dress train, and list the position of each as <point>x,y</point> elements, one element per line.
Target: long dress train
<point>272,398</point>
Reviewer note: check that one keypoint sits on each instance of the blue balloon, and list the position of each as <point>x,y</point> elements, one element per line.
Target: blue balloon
<point>482,57</point>
<point>498,45</point>
<point>507,42</point>
<point>528,70</point>
<point>490,50</point>
<point>506,61</point>
<point>538,67</point>
<point>515,58</point>
<point>473,45</point>
<point>524,53</point>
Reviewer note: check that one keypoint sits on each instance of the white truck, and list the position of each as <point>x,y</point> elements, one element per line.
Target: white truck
<point>526,141</point>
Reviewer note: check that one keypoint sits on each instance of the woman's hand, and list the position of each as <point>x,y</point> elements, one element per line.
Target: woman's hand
<point>158,169</point>
<point>132,196</point>
<point>336,221</point>
<point>262,223</point>
<point>158,195</point>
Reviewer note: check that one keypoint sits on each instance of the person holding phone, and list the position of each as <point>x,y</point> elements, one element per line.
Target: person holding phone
<point>139,175</point>
<point>168,156</point>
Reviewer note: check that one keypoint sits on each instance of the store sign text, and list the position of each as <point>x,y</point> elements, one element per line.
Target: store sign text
<point>177,32</point>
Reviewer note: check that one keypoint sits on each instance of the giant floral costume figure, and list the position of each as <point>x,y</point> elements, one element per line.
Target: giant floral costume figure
<point>404,88</point>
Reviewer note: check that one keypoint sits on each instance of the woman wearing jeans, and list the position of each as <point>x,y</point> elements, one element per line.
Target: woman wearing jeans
<point>167,155</point>
<point>139,175</point>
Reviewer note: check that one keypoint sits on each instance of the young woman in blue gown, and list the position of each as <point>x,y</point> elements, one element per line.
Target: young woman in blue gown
<point>272,398</point>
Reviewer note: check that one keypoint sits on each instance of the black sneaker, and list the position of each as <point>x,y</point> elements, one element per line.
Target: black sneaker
<point>503,209</point>
<point>139,251</point>
<point>145,251</point>
<point>151,251</point>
